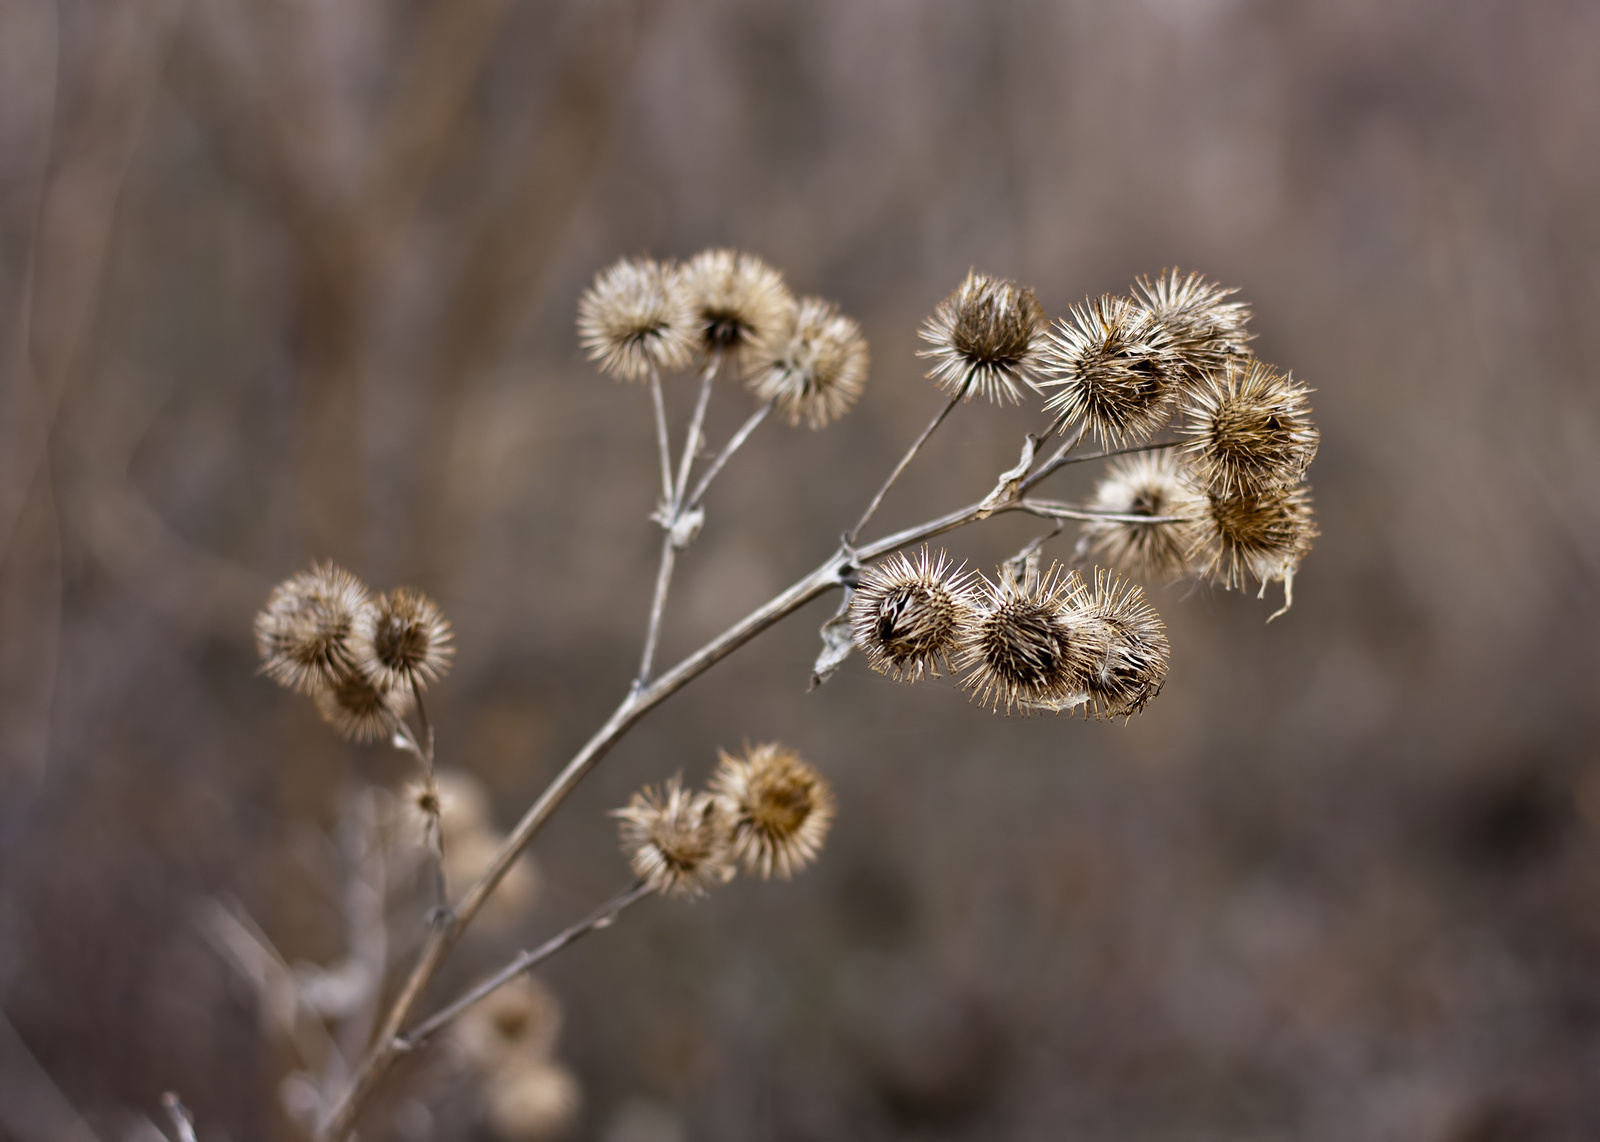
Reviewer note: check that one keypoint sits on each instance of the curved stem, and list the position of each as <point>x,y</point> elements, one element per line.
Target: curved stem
<point>866,516</point>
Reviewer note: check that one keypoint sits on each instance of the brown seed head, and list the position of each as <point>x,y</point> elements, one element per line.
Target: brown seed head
<point>1249,429</point>
<point>402,641</point>
<point>905,614</point>
<point>676,840</point>
<point>1031,645</point>
<point>777,807</point>
<point>1112,364</point>
<point>531,1100</point>
<point>1137,652</point>
<point>635,318</point>
<point>985,339</point>
<point>819,367</point>
<point>1261,537</point>
<point>739,304</point>
<point>1151,484</point>
<point>359,709</point>
<point>303,635</point>
<point>1206,329</point>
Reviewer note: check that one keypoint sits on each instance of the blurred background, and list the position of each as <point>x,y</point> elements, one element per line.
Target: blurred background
<point>284,279</point>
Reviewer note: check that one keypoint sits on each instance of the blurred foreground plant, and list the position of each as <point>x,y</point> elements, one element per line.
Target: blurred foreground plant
<point>1223,500</point>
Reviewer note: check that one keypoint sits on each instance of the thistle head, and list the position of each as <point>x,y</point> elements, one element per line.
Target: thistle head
<point>676,840</point>
<point>636,318</point>
<point>303,634</point>
<point>738,304</point>
<point>1137,652</point>
<point>777,808</point>
<point>1261,537</point>
<point>360,709</point>
<point>1147,484</point>
<point>1207,329</point>
<point>985,339</point>
<point>1249,429</point>
<point>1030,644</point>
<point>817,367</point>
<point>402,641</point>
<point>905,614</point>
<point>1112,364</point>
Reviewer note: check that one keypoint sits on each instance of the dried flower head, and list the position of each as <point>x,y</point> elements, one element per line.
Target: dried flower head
<point>531,1101</point>
<point>985,338</point>
<point>1030,644</point>
<point>905,614</point>
<point>1207,330</point>
<point>520,1020</point>
<point>1137,653</point>
<point>676,840</point>
<point>1111,363</point>
<point>636,318</point>
<point>818,367</point>
<point>304,633</point>
<point>1153,484</point>
<point>1263,537</point>
<point>1249,429</point>
<point>402,640</point>
<point>360,709</point>
<point>777,807</point>
<point>738,303</point>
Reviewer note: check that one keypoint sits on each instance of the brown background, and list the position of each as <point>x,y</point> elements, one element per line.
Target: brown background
<point>285,280</point>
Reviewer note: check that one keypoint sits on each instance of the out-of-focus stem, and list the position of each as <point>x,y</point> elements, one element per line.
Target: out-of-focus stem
<point>905,460</point>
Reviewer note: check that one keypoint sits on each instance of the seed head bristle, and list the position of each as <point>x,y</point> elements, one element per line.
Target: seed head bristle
<point>1112,364</point>
<point>1206,329</point>
<point>1261,537</point>
<point>359,709</point>
<point>635,318</point>
<point>1154,484</point>
<point>738,304</point>
<point>777,807</point>
<point>1137,654</point>
<point>1030,645</point>
<point>1249,429</point>
<point>985,339</point>
<point>905,614</point>
<point>676,841</point>
<point>402,641</point>
<point>818,367</point>
<point>303,634</point>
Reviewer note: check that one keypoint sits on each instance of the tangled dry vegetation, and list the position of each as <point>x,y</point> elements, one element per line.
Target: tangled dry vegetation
<point>1208,451</point>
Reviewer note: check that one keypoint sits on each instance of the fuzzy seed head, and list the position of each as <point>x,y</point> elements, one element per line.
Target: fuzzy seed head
<point>522,1020</point>
<point>905,614</point>
<point>1153,484</point>
<point>676,841</point>
<point>636,318</point>
<point>1112,364</point>
<point>985,339</point>
<point>818,367</point>
<point>1261,537</point>
<point>402,641</point>
<point>303,635</point>
<point>1249,429</point>
<point>738,303</point>
<point>1031,645</point>
<point>531,1100</point>
<point>359,709</point>
<point>1137,651</point>
<point>1207,330</point>
<point>777,807</point>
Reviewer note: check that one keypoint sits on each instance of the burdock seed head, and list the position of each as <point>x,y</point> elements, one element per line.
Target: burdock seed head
<point>1153,484</point>
<point>777,807</point>
<point>1207,330</point>
<point>817,367</point>
<point>905,614</point>
<point>359,709</point>
<point>635,318</point>
<point>1031,645</point>
<point>1261,537</point>
<point>676,841</point>
<point>1112,364</point>
<point>303,635</point>
<point>1137,651</point>
<point>985,339</point>
<point>1249,429</point>
<point>738,303</point>
<point>402,641</point>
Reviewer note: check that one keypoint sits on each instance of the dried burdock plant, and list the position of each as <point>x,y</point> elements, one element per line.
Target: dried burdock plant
<point>985,339</point>
<point>1223,502</point>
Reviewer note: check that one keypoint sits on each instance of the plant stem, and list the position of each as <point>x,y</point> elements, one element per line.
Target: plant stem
<point>916,447</point>
<point>1057,459</point>
<point>728,450</point>
<point>692,444</point>
<point>658,606</point>
<point>602,917</point>
<point>663,440</point>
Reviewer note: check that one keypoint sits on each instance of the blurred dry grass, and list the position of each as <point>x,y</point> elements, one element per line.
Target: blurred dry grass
<point>282,280</point>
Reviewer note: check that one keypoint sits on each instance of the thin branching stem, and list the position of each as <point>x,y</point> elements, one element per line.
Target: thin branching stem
<point>735,442</point>
<point>602,917</point>
<point>1057,458</point>
<point>1128,451</point>
<point>691,446</point>
<point>663,439</point>
<point>658,606</point>
<point>905,461</point>
<point>182,1121</point>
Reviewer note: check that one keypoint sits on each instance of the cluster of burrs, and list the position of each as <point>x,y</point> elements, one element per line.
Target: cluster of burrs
<point>765,810</point>
<point>363,658</point>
